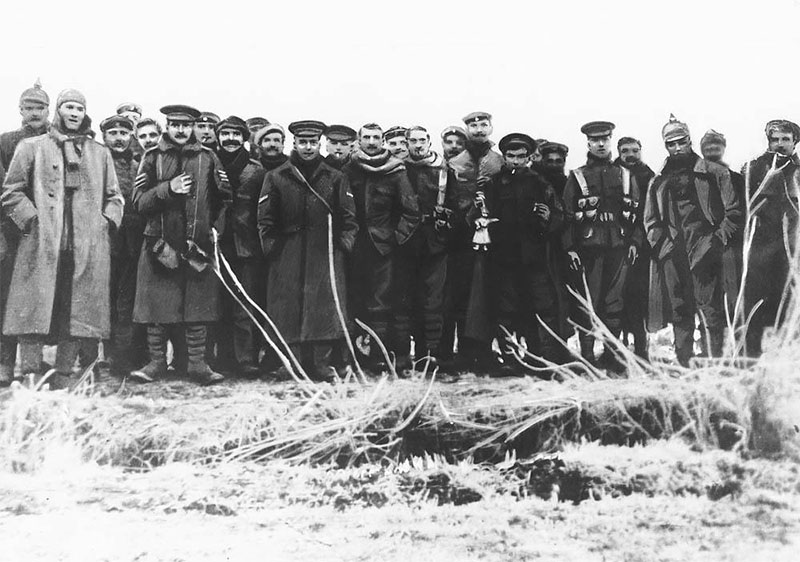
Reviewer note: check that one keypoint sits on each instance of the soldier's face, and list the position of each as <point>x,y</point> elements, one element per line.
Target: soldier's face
<point>398,147</point>
<point>231,140</point>
<point>516,158</point>
<point>180,131</point>
<point>307,147</point>
<point>370,141</point>
<point>271,144</point>
<point>713,152</point>
<point>148,136</point>
<point>781,142</point>
<point>600,146</point>
<point>339,149</point>
<point>480,131</point>
<point>452,145</point>
<point>118,139</point>
<point>553,161</point>
<point>205,133</point>
<point>419,144</point>
<point>679,146</point>
<point>630,153</point>
<point>33,114</point>
<point>72,114</point>
<point>132,115</point>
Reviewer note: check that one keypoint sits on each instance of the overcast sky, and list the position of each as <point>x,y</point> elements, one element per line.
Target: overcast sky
<point>543,68</point>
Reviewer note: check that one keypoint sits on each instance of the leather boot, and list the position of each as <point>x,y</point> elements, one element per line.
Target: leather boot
<point>157,350</point>
<point>197,367</point>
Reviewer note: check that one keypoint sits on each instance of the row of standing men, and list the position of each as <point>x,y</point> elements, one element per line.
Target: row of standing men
<point>425,247</point>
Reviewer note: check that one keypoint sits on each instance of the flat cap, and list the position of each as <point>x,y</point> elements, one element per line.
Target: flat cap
<point>396,131</point>
<point>713,137</point>
<point>255,123</point>
<point>476,116</point>
<point>307,128</point>
<point>783,125</point>
<point>235,123</point>
<point>674,129</point>
<point>181,113</point>
<point>556,147</point>
<point>340,133</point>
<point>267,129</point>
<point>454,130</point>
<point>116,121</point>
<point>594,129</point>
<point>71,94</point>
<point>517,140</point>
<point>209,117</point>
<point>129,106</point>
<point>35,95</point>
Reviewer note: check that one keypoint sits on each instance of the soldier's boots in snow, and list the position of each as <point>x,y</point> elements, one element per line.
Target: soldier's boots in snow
<point>157,349</point>
<point>197,368</point>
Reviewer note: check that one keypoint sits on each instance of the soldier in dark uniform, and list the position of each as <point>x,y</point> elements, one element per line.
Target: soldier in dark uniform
<point>388,214</point>
<point>774,203</point>
<point>182,192</point>
<point>712,147</point>
<point>204,130</point>
<point>394,139</point>
<point>601,202</point>
<point>551,166</point>
<point>128,340</point>
<point>269,142</point>
<point>454,139</point>
<point>636,294</point>
<point>34,107</point>
<point>472,169</point>
<point>691,215</point>
<point>236,336</point>
<point>421,266</point>
<point>524,269</point>
<point>255,124</point>
<point>133,112</point>
<point>340,139</point>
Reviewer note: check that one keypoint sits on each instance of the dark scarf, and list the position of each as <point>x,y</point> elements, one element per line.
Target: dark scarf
<point>234,163</point>
<point>306,167</point>
<point>381,163</point>
<point>478,149</point>
<point>337,164</point>
<point>71,143</point>
<point>432,160</point>
<point>636,166</point>
<point>680,163</point>
<point>272,162</point>
<point>592,160</point>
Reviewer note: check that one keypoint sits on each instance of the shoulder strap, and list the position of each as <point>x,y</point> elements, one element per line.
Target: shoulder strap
<point>581,181</point>
<point>442,186</point>
<point>626,180</point>
<point>305,182</point>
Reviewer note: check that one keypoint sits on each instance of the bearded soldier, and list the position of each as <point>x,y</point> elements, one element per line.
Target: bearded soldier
<point>299,202</point>
<point>183,192</point>
<point>773,186</point>
<point>603,237</point>
<point>472,170</point>
<point>551,166</point>
<point>61,193</point>
<point>33,106</point>
<point>691,215</point>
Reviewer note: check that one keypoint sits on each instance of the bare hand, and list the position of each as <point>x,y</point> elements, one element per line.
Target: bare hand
<point>542,210</point>
<point>633,254</point>
<point>480,199</point>
<point>181,184</point>
<point>574,261</point>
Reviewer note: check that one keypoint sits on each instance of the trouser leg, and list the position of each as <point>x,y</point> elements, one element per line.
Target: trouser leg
<point>406,271</point>
<point>544,305</point>
<point>244,336</point>
<point>614,273</point>
<point>678,281</point>
<point>30,351</point>
<point>431,299</point>
<point>379,298</point>
<point>708,295</point>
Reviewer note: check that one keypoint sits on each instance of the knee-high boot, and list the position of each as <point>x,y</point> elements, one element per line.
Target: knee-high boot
<point>197,368</point>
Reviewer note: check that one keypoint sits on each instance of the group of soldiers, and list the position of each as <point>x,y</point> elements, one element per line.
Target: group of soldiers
<point>384,242</point>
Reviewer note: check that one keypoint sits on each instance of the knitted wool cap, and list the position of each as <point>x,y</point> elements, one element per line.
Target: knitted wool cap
<point>70,94</point>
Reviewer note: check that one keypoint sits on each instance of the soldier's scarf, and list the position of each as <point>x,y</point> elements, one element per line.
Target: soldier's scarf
<point>432,160</point>
<point>72,145</point>
<point>305,167</point>
<point>478,149</point>
<point>234,163</point>
<point>382,162</point>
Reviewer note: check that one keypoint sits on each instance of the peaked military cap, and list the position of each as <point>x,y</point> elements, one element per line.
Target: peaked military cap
<point>116,121</point>
<point>556,147</point>
<point>256,122</point>
<point>340,133</point>
<point>517,140</point>
<point>307,128</point>
<point>35,95</point>
<point>454,130</point>
<point>267,129</point>
<point>713,137</point>
<point>396,131</point>
<point>209,117</point>
<point>129,106</point>
<point>594,129</point>
<point>674,129</point>
<point>783,125</point>
<point>476,116</point>
<point>235,123</point>
<point>180,113</point>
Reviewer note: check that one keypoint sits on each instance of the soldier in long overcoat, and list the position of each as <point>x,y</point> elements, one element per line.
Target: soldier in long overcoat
<point>297,200</point>
<point>61,193</point>
<point>183,192</point>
